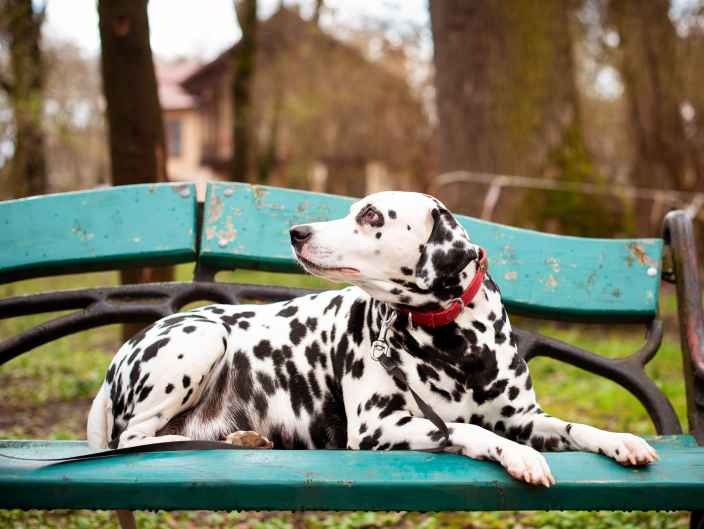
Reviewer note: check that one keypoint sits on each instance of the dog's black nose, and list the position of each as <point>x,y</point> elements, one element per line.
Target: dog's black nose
<point>300,234</point>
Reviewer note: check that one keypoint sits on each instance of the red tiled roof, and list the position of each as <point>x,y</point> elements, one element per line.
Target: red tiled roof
<point>169,76</point>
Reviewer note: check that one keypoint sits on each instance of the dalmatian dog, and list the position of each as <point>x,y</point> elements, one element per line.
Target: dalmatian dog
<point>300,374</point>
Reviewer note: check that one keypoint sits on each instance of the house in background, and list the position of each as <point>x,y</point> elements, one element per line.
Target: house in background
<point>327,117</point>
<point>182,125</point>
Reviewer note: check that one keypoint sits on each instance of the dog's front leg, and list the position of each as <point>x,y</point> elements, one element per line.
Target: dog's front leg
<point>545,432</point>
<point>401,430</point>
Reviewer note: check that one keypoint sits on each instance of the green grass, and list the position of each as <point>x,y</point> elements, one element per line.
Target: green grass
<point>46,394</point>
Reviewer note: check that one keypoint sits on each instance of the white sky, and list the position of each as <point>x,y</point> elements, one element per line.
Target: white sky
<point>203,28</point>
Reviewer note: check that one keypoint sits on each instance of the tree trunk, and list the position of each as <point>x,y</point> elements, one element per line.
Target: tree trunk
<point>317,10</point>
<point>136,130</point>
<point>654,90</point>
<point>505,84</point>
<point>244,67</point>
<point>26,95</point>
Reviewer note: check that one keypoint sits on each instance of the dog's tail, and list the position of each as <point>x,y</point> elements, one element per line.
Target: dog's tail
<point>97,428</point>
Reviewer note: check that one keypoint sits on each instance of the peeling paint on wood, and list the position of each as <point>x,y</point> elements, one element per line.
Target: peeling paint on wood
<point>344,479</point>
<point>99,229</point>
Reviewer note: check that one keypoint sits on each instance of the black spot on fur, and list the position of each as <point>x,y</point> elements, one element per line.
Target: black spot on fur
<point>406,271</point>
<point>299,390</point>
<point>237,316</point>
<point>313,384</point>
<point>186,381</point>
<point>370,441</point>
<point>261,404</point>
<point>478,325</point>
<point>404,420</point>
<point>518,365</point>
<point>392,214</point>
<point>426,372</point>
<point>481,371</point>
<point>298,331</point>
<point>355,324</point>
<point>169,388</point>
<point>537,442</point>
<point>152,350</point>
<point>312,324</point>
<point>508,411</point>
<point>378,235</point>
<point>288,311</point>
<point>133,356</point>
<point>242,376</point>
<point>551,443</point>
<point>110,374</point>
<point>146,390</point>
<point>266,382</point>
<point>189,329</point>
<point>335,304</point>
<point>357,368</point>
<point>188,396</point>
<point>513,392</point>
<point>263,350</point>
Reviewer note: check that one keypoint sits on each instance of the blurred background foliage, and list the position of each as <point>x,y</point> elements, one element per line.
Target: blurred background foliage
<point>606,93</point>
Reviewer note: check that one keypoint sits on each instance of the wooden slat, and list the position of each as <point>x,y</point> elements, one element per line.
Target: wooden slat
<point>343,480</point>
<point>539,274</point>
<point>98,229</point>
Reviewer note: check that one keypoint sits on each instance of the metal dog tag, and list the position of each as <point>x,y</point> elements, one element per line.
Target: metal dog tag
<point>379,349</point>
<point>379,346</point>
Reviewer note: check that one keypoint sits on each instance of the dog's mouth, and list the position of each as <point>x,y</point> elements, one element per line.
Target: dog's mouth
<point>313,268</point>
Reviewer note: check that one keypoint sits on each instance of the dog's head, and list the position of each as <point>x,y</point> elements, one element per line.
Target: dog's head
<point>402,248</point>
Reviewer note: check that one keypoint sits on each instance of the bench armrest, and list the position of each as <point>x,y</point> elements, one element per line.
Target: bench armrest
<point>678,233</point>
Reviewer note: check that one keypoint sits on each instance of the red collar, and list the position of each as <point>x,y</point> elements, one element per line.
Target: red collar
<point>448,315</point>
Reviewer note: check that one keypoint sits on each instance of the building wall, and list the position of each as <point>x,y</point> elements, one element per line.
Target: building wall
<point>185,165</point>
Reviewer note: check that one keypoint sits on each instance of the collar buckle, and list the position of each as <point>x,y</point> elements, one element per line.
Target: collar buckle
<point>379,346</point>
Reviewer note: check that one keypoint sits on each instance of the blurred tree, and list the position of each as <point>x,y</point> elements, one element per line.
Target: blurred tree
<point>317,10</point>
<point>505,82</point>
<point>508,103</point>
<point>136,130</point>
<point>691,58</point>
<point>654,88</point>
<point>20,25</point>
<point>244,66</point>
<point>77,156</point>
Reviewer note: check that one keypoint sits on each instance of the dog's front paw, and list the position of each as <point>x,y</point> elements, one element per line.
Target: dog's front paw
<point>248,439</point>
<point>526,464</point>
<point>628,449</point>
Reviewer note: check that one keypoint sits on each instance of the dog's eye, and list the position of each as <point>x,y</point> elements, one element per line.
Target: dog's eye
<point>370,216</point>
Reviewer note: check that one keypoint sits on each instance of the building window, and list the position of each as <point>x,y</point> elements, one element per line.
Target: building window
<point>173,136</point>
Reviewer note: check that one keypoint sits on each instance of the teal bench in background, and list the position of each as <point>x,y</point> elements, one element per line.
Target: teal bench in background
<point>612,281</point>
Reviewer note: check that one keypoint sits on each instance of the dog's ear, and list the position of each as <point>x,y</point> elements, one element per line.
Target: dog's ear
<point>446,253</point>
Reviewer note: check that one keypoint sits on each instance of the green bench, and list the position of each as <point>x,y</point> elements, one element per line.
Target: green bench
<point>241,226</point>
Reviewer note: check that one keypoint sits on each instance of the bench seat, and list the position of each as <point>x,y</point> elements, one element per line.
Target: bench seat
<point>342,480</point>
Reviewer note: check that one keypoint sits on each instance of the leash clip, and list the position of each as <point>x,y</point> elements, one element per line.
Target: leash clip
<point>379,346</point>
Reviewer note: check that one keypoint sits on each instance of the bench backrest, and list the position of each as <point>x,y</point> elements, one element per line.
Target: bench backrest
<point>540,275</point>
<point>246,226</point>
<point>103,229</point>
